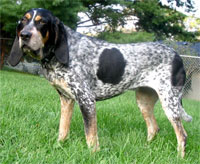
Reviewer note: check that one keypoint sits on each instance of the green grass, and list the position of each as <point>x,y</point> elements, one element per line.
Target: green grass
<point>29,119</point>
<point>120,37</point>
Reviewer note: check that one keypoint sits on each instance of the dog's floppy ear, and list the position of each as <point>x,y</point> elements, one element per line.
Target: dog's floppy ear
<point>61,44</point>
<point>15,53</point>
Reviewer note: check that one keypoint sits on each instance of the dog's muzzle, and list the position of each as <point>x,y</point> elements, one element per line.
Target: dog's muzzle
<point>25,36</point>
<point>31,43</point>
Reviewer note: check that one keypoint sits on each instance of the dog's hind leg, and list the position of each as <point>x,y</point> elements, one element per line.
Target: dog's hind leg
<point>170,98</point>
<point>146,99</point>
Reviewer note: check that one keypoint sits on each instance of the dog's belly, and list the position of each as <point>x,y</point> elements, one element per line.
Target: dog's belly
<point>130,81</point>
<point>106,94</point>
<point>104,91</point>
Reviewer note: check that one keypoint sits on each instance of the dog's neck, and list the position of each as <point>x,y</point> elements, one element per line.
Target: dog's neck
<point>48,58</point>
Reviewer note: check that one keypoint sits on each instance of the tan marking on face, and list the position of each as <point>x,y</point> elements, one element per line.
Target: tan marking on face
<point>28,16</point>
<point>46,37</point>
<point>38,18</point>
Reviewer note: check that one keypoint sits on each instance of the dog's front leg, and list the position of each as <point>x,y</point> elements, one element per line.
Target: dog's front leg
<point>87,103</point>
<point>90,123</point>
<point>67,106</point>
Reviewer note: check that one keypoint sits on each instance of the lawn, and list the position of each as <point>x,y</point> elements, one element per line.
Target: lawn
<point>29,120</point>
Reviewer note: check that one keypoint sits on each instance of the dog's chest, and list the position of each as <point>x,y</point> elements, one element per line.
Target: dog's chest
<point>60,83</point>
<point>62,87</point>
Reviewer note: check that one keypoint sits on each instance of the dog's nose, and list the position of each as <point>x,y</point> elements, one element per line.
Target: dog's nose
<point>25,35</point>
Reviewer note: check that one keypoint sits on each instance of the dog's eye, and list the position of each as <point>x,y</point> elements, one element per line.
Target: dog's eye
<point>24,20</point>
<point>42,22</point>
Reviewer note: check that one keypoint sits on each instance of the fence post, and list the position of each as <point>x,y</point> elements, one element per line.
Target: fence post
<point>2,53</point>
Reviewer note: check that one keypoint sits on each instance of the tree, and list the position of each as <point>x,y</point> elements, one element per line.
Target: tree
<point>153,16</point>
<point>65,10</point>
<point>103,11</point>
<point>13,10</point>
<point>161,20</point>
<point>188,4</point>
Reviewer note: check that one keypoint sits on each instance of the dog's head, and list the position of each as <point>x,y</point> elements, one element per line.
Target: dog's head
<point>38,33</point>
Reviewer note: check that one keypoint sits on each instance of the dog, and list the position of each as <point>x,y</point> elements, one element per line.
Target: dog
<point>85,69</point>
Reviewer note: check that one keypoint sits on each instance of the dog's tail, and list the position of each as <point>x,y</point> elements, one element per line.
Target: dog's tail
<point>184,115</point>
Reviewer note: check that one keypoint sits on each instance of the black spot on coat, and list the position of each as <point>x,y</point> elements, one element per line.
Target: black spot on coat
<point>111,66</point>
<point>178,71</point>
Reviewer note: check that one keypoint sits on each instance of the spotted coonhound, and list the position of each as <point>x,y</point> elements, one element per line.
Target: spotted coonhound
<point>85,69</point>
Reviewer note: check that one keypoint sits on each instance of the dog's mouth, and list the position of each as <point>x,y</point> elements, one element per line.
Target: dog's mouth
<point>32,53</point>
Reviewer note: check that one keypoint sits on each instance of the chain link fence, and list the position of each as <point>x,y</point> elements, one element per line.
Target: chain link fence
<point>192,85</point>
